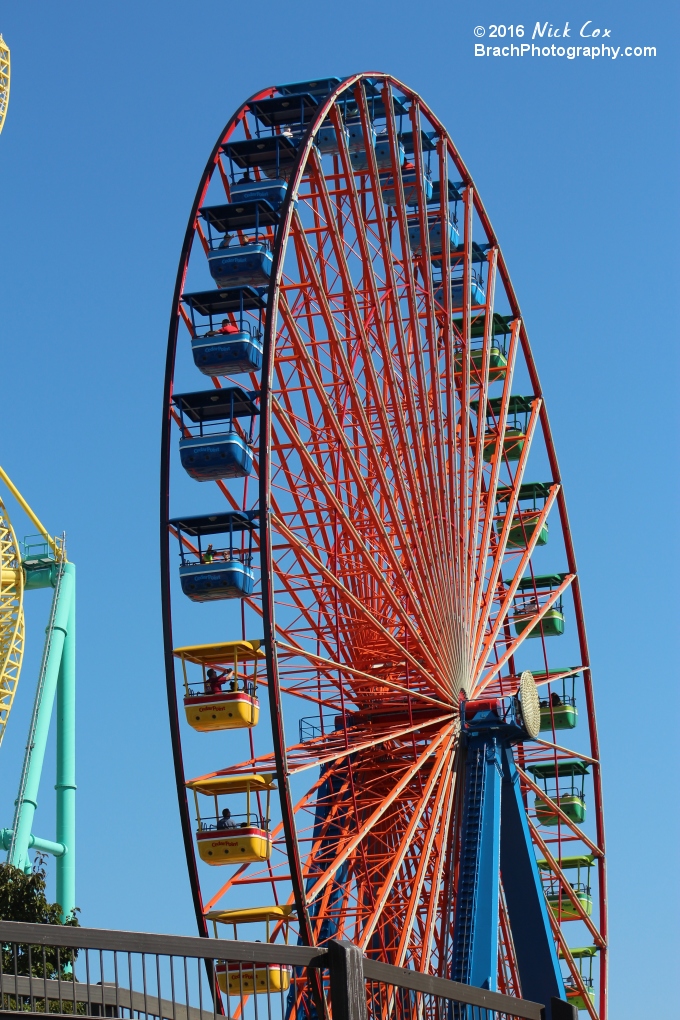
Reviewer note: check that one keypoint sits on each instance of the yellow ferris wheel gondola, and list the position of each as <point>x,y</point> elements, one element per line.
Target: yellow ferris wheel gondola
<point>229,838</point>
<point>208,706</point>
<point>244,979</point>
<point>11,613</point>
<point>4,81</point>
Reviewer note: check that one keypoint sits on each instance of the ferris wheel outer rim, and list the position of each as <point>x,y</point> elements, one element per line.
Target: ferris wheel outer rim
<point>164,516</point>
<point>279,252</point>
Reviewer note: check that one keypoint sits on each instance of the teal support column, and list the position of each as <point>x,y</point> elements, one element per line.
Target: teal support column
<point>27,800</point>
<point>66,766</point>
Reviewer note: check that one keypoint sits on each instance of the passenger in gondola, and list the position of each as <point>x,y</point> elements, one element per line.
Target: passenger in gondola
<point>226,821</point>
<point>226,327</point>
<point>209,554</point>
<point>555,699</point>
<point>213,682</point>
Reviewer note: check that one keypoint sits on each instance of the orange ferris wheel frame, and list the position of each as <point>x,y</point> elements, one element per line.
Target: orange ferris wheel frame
<point>382,554</point>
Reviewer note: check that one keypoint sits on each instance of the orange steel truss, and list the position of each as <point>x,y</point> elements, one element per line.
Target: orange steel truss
<point>386,585</point>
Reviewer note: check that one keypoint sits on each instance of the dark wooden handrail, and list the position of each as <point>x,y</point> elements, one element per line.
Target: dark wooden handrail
<point>341,958</point>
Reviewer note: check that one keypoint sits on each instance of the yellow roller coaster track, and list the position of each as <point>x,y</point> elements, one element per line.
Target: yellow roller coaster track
<point>11,617</point>
<point>4,93</point>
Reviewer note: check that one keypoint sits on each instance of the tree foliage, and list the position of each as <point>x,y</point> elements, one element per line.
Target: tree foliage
<point>23,898</point>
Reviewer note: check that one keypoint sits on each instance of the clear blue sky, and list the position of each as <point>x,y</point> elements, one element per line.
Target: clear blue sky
<point>114,109</point>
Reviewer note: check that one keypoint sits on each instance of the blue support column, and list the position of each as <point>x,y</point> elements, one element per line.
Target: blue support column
<point>475,940</point>
<point>539,968</point>
<point>496,846</point>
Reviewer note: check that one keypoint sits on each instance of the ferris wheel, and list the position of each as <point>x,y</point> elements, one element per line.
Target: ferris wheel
<point>364,607</point>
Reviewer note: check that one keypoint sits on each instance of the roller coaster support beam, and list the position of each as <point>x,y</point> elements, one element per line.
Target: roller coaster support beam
<point>43,846</point>
<point>66,766</point>
<point>57,678</point>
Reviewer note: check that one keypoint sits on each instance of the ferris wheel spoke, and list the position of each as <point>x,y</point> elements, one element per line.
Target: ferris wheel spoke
<point>429,397</point>
<point>447,336</point>
<point>515,643</point>
<point>507,963</point>
<point>434,913</point>
<point>351,845</point>
<point>421,426</point>
<point>554,806</point>
<point>497,456</point>
<point>373,388</point>
<point>324,750</point>
<point>320,480</point>
<point>223,177</point>
<point>419,482</point>
<point>479,596</point>
<point>363,611</point>
<point>370,678</point>
<point>411,912</point>
<point>511,590</point>
<point>490,593</point>
<point>478,460</point>
<point>565,954</point>
<point>464,397</point>
<point>420,411</point>
<point>407,839</point>
<point>565,884</point>
<point>566,750</point>
<point>330,417</point>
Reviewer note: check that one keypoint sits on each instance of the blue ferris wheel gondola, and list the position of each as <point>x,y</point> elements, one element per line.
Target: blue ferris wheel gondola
<point>234,344</point>
<point>213,445</point>
<point>208,573</point>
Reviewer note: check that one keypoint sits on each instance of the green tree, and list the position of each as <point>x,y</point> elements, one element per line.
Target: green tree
<point>23,898</point>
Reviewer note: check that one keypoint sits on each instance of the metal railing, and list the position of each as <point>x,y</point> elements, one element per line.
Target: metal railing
<point>90,972</point>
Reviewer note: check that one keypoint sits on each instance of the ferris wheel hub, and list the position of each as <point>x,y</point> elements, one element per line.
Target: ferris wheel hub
<point>512,719</point>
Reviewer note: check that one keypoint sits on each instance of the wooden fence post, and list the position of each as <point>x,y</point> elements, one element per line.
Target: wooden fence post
<point>348,988</point>
<point>561,1010</point>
